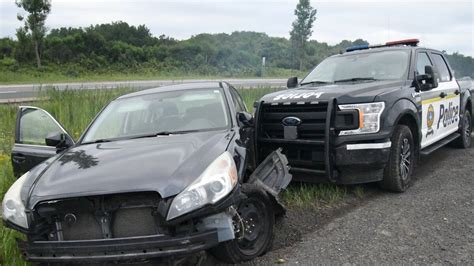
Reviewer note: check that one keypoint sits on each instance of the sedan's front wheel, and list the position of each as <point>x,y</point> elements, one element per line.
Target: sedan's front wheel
<point>254,228</point>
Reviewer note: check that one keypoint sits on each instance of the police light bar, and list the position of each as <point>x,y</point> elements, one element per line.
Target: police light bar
<point>410,42</point>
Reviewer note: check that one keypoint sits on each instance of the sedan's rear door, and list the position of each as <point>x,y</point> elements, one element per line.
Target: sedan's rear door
<point>33,125</point>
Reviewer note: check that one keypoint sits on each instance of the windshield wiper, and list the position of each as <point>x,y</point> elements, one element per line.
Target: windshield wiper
<point>316,82</point>
<point>356,79</point>
<point>97,141</point>
<point>163,133</point>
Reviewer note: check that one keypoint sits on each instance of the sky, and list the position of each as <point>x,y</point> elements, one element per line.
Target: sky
<point>440,24</point>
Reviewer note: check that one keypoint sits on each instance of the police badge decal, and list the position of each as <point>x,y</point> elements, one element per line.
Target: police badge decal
<point>430,120</point>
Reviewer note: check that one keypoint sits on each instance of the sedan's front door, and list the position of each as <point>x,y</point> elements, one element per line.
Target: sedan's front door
<point>33,125</point>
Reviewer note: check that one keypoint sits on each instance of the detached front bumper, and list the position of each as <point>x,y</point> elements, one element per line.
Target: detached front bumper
<point>361,162</point>
<point>117,249</point>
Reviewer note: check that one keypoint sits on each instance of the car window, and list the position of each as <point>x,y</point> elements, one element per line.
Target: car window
<point>422,61</point>
<point>238,102</point>
<point>172,111</point>
<point>35,126</point>
<point>443,70</point>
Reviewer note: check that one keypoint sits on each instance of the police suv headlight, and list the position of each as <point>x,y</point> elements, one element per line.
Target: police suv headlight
<point>216,182</point>
<point>13,209</point>
<point>369,117</point>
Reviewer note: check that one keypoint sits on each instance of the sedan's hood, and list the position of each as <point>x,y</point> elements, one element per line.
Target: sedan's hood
<point>350,92</point>
<point>166,164</point>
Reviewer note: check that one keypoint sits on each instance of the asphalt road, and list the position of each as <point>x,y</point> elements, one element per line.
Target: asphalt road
<point>431,223</point>
<point>22,92</point>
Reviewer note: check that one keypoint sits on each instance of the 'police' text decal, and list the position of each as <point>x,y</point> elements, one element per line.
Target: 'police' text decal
<point>294,95</point>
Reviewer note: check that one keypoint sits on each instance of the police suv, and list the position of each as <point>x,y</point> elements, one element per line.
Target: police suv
<point>365,115</point>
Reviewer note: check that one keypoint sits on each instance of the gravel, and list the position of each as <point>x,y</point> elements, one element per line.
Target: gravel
<point>433,222</point>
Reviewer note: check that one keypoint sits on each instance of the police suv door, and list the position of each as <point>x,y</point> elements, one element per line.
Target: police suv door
<point>440,106</point>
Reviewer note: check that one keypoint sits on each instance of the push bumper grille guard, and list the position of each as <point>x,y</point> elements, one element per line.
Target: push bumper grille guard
<point>326,142</point>
<point>117,249</point>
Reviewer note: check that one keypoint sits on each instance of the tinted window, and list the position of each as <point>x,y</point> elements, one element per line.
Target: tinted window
<point>422,61</point>
<point>444,74</point>
<point>384,65</point>
<point>35,126</point>
<point>238,103</point>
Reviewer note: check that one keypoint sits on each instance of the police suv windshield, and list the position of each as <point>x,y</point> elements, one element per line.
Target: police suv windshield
<point>164,113</point>
<point>381,65</point>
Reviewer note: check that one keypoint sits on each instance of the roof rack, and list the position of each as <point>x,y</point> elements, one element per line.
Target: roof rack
<point>407,42</point>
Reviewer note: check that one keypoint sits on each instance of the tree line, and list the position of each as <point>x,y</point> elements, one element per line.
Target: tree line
<point>120,47</point>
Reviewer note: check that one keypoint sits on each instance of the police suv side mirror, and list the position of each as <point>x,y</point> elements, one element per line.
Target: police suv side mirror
<point>426,81</point>
<point>292,82</point>
<point>245,119</point>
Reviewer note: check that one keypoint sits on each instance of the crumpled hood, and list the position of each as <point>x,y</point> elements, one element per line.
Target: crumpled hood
<point>355,92</point>
<point>166,164</point>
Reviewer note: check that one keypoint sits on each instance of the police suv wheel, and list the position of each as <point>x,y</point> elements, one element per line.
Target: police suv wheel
<point>254,228</point>
<point>398,171</point>
<point>464,141</point>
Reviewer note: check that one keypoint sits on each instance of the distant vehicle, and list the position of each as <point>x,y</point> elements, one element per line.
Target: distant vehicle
<point>365,115</point>
<point>160,173</point>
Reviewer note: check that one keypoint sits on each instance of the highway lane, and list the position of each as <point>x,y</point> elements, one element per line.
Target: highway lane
<point>25,92</point>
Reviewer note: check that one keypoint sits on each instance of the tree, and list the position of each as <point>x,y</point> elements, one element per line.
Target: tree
<point>302,28</point>
<point>35,22</point>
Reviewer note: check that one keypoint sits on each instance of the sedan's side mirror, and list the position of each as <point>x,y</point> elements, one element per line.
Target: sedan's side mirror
<point>426,81</point>
<point>245,119</point>
<point>292,82</point>
<point>59,140</point>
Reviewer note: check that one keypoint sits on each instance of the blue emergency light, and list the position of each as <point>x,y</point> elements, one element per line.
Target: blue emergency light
<point>407,42</point>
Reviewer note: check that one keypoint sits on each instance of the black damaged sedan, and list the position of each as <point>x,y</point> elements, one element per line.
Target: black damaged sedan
<point>158,175</point>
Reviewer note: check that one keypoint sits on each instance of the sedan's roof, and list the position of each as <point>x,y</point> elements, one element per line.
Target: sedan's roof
<point>177,87</point>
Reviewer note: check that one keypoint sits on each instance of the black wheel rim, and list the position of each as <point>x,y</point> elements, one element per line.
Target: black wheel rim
<point>253,215</point>
<point>405,159</point>
<point>467,130</point>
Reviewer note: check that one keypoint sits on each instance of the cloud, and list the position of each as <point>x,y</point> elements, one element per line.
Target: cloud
<point>445,25</point>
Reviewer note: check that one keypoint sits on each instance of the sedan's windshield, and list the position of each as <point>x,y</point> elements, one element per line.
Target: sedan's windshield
<point>384,65</point>
<point>173,112</point>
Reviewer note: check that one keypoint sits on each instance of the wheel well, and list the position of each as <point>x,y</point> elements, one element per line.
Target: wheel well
<point>409,121</point>
<point>469,106</point>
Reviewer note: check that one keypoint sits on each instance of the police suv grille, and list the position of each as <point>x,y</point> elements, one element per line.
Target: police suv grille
<point>306,152</point>
<point>313,120</point>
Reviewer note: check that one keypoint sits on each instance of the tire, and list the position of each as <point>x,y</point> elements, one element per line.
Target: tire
<point>465,140</point>
<point>255,243</point>
<point>399,169</point>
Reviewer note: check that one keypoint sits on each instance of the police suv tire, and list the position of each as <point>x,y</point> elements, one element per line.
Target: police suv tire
<point>394,178</point>
<point>231,251</point>
<point>464,141</point>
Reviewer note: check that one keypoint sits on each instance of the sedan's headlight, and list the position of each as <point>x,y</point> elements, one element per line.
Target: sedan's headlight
<point>12,206</point>
<point>216,182</point>
<point>369,117</point>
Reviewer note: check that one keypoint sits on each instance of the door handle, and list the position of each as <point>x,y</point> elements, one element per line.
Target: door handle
<point>18,158</point>
<point>443,94</point>
<point>457,92</point>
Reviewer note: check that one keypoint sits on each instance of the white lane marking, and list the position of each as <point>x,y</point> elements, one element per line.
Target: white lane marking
<point>8,91</point>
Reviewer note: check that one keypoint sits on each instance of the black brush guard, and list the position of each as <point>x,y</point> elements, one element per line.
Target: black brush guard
<point>321,144</point>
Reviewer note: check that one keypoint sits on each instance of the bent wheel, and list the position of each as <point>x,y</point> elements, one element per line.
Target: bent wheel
<point>253,226</point>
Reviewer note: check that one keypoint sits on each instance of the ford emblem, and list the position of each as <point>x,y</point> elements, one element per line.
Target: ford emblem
<point>291,121</point>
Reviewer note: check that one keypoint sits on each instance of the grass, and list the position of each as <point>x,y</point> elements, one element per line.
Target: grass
<point>74,109</point>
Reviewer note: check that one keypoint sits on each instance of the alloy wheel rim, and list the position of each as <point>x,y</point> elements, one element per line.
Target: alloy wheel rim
<point>467,130</point>
<point>405,159</point>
